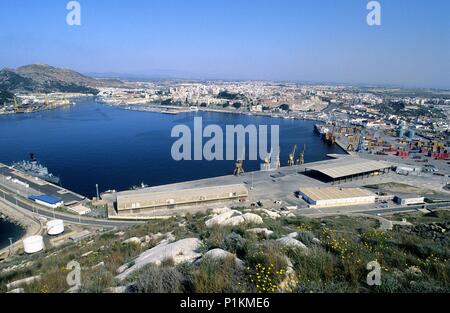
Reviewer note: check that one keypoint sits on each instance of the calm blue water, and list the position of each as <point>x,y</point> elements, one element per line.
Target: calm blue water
<point>92,143</point>
<point>9,230</point>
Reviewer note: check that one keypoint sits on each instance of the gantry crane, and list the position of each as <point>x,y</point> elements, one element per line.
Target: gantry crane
<point>277,161</point>
<point>267,161</point>
<point>239,168</point>
<point>301,157</point>
<point>291,160</point>
<point>353,143</point>
<point>239,165</point>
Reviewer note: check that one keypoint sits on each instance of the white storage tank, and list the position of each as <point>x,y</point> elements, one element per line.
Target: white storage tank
<point>33,244</point>
<point>55,227</point>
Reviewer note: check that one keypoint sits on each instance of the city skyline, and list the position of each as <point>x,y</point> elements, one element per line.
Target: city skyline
<point>299,41</point>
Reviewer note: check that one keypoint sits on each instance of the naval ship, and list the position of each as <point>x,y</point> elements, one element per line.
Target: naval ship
<point>34,168</point>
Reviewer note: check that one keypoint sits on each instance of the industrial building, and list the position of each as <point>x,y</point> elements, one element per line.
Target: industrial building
<point>409,199</point>
<point>79,209</point>
<point>147,201</point>
<point>347,169</point>
<point>328,197</point>
<point>47,201</point>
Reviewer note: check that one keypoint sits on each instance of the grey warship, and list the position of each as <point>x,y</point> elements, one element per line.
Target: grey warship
<point>34,168</point>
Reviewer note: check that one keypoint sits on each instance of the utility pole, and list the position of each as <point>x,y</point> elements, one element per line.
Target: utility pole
<point>10,245</point>
<point>96,188</point>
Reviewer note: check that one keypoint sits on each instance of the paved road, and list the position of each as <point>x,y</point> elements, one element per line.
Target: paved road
<point>32,207</point>
<point>434,206</point>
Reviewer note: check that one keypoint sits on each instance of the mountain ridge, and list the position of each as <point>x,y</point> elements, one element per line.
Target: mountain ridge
<point>45,78</point>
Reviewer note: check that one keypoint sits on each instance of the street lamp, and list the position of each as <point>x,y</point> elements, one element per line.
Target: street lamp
<point>96,189</point>
<point>10,245</point>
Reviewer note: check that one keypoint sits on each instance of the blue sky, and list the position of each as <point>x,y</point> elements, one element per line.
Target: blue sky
<point>303,40</point>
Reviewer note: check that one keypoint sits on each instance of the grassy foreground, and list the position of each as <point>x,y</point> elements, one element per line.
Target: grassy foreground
<point>412,258</point>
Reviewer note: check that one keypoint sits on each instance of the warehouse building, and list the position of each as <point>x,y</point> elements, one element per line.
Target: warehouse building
<point>405,199</point>
<point>47,201</point>
<point>328,197</point>
<point>147,201</point>
<point>347,169</point>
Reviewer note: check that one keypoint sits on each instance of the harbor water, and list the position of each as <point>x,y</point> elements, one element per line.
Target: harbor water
<point>9,230</point>
<point>91,143</point>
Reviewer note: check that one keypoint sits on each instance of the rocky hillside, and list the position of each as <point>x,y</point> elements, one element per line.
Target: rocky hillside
<point>6,98</point>
<point>45,78</point>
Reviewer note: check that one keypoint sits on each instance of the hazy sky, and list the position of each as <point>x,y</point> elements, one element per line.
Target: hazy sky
<point>304,40</point>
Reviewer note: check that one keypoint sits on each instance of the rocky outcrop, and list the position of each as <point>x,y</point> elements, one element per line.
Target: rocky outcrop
<point>266,233</point>
<point>434,231</point>
<point>25,281</point>
<point>290,241</point>
<point>220,254</point>
<point>184,250</point>
<point>228,217</point>
<point>221,218</point>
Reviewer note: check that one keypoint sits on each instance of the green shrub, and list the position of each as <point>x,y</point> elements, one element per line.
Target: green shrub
<point>97,281</point>
<point>155,279</point>
<point>219,276</point>
<point>316,265</point>
<point>306,237</point>
<point>234,243</point>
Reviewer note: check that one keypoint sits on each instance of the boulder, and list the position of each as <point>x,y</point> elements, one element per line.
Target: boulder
<point>234,218</point>
<point>252,218</point>
<point>291,242</point>
<point>119,289</point>
<point>221,210</point>
<point>184,250</point>
<point>261,231</point>
<point>221,218</point>
<point>234,221</point>
<point>132,240</point>
<point>220,254</point>
<point>21,282</point>
<point>270,214</point>
<point>99,265</point>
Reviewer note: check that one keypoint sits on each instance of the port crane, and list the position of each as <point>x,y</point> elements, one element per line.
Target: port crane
<point>301,157</point>
<point>352,144</point>
<point>239,165</point>
<point>267,161</point>
<point>291,159</point>
<point>277,161</point>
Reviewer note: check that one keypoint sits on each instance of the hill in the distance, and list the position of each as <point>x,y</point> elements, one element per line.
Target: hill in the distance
<point>45,78</point>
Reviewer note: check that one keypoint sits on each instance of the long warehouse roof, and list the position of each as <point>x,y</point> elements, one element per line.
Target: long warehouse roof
<point>333,193</point>
<point>347,166</point>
